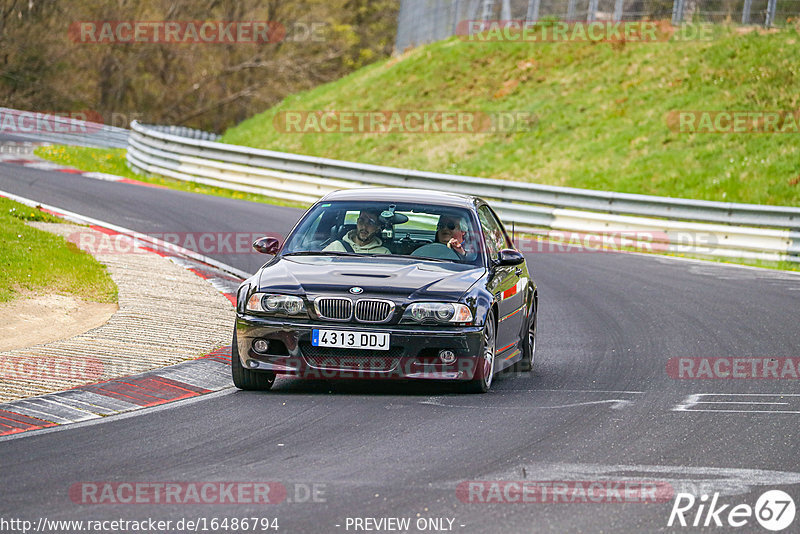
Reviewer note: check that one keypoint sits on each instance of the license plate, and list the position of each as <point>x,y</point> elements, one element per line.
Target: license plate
<point>349,339</point>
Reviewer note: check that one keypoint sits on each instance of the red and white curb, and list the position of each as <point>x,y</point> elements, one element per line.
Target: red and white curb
<point>193,378</point>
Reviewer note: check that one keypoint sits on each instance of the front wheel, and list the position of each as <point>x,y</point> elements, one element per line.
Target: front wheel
<point>246,379</point>
<point>484,373</point>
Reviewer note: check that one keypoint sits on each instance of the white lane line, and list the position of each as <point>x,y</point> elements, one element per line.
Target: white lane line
<point>741,402</point>
<point>742,411</point>
<point>43,165</point>
<point>749,394</point>
<point>691,401</point>
<point>616,404</point>
<point>585,391</point>
<point>103,176</point>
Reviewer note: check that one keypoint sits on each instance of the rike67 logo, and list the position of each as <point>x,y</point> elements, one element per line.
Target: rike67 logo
<point>774,510</point>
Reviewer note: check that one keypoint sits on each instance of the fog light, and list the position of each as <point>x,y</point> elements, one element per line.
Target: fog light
<point>253,364</point>
<point>261,346</point>
<point>447,356</point>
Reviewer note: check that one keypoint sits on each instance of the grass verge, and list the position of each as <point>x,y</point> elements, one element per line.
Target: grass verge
<point>38,261</point>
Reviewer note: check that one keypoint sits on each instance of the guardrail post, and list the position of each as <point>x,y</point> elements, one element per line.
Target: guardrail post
<point>571,10</point>
<point>770,18</point>
<point>592,12</point>
<point>505,12</point>
<point>456,15</point>
<point>533,10</point>
<point>488,10</point>
<point>618,10</point>
<point>746,11</point>
<point>677,12</point>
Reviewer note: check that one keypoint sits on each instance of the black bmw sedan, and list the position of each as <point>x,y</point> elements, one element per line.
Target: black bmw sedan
<point>388,283</point>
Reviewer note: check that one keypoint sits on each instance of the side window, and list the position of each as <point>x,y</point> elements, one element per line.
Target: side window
<point>503,240</point>
<point>492,232</point>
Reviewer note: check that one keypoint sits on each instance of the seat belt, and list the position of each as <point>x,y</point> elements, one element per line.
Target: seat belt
<point>347,246</point>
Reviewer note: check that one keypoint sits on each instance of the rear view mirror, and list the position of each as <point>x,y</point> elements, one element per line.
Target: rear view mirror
<point>267,245</point>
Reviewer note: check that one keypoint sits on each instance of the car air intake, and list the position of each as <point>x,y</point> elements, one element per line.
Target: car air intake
<point>334,308</point>
<point>360,360</point>
<point>374,311</point>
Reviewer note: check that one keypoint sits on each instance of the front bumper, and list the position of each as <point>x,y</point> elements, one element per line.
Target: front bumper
<point>413,350</point>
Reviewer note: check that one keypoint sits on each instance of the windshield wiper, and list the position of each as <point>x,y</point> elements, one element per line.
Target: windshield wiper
<point>409,256</point>
<point>354,255</point>
<point>322,253</point>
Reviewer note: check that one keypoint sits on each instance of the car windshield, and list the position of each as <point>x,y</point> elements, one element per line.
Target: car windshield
<point>416,230</point>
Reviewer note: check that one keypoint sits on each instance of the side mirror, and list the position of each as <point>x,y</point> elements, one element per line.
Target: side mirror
<point>509,256</point>
<point>267,245</point>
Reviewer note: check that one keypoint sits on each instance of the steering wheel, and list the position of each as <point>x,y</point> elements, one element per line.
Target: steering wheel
<point>439,251</point>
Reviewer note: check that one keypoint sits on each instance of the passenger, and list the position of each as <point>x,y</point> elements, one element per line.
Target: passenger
<point>363,239</point>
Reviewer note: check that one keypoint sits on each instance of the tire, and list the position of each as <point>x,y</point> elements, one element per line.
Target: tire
<point>246,379</point>
<point>528,345</point>
<point>482,380</point>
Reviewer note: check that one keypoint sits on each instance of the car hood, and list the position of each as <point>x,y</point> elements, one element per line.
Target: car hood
<point>394,278</point>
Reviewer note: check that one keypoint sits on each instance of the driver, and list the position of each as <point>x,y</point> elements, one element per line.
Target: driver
<point>452,231</point>
<point>364,238</point>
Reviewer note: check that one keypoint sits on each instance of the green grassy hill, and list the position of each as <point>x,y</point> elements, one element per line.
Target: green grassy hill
<point>602,114</point>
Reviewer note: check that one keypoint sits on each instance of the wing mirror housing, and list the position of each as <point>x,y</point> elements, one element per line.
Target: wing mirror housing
<point>508,256</point>
<point>267,245</point>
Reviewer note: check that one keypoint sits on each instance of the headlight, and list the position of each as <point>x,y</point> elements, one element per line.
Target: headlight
<point>438,312</point>
<point>277,304</point>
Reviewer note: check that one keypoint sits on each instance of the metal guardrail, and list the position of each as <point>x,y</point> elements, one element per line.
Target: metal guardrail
<point>728,229</point>
<point>52,128</point>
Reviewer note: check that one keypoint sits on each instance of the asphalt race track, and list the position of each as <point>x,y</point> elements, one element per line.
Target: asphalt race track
<point>600,404</point>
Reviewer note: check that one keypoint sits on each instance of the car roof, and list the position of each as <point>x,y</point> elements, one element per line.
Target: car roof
<point>397,194</point>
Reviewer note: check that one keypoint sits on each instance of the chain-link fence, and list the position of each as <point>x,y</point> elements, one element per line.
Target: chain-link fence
<point>425,21</point>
